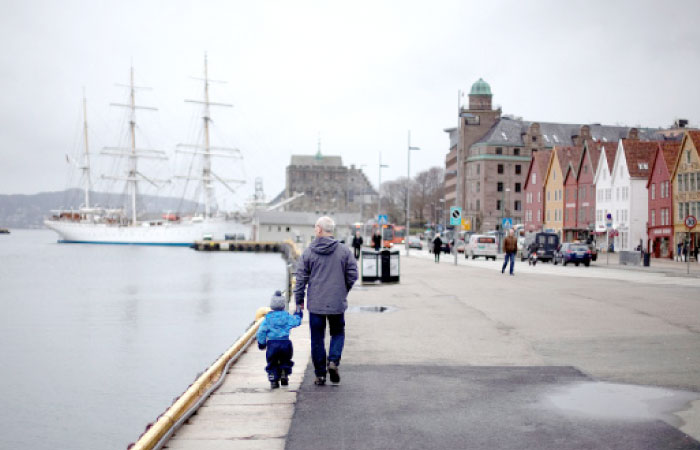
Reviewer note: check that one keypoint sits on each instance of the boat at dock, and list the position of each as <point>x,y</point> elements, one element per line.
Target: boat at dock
<point>92,224</point>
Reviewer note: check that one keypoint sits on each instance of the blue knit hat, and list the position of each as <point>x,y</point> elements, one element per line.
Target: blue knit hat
<point>278,303</point>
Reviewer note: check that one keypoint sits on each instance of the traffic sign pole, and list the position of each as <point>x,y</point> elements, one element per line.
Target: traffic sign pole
<point>690,222</point>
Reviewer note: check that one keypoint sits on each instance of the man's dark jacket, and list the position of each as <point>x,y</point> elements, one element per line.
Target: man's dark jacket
<point>329,270</point>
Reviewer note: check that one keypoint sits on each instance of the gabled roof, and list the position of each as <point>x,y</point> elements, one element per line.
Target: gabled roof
<point>540,159</point>
<point>592,149</point>
<point>569,156</point>
<point>694,136</point>
<point>669,151</point>
<point>509,132</point>
<point>640,157</point>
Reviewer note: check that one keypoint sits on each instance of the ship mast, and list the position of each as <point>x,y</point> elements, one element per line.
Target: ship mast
<point>86,167</point>
<point>206,151</point>
<point>132,152</point>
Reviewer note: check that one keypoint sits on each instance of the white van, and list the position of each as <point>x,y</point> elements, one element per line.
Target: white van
<point>481,245</point>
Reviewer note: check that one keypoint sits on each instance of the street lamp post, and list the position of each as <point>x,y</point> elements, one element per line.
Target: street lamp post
<point>379,199</point>
<point>408,192</point>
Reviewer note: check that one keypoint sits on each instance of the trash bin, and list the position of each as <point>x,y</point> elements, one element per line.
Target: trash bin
<point>647,257</point>
<point>369,266</point>
<point>390,266</point>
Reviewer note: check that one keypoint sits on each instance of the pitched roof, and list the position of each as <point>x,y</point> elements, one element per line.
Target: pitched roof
<point>694,135</point>
<point>640,157</point>
<point>594,149</point>
<point>610,150</point>
<point>670,150</point>
<point>540,160</point>
<point>507,131</point>
<point>570,155</point>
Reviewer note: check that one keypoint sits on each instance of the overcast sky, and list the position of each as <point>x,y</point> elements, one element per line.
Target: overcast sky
<point>360,73</point>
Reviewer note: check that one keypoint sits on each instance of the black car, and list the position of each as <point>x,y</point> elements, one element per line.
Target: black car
<point>547,244</point>
<point>575,253</point>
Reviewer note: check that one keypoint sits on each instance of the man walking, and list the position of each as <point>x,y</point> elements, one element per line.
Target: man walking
<point>510,246</point>
<point>329,271</point>
<point>357,244</point>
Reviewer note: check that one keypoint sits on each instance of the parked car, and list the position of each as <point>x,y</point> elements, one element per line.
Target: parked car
<point>460,246</point>
<point>481,245</point>
<point>414,242</point>
<point>547,244</point>
<point>573,253</point>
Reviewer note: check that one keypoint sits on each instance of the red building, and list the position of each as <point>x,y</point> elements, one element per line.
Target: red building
<point>585,202</point>
<point>659,189</point>
<point>571,157</point>
<point>534,190</point>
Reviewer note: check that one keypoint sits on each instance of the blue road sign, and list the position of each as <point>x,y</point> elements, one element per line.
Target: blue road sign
<point>455,215</point>
<point>507,223</point>
<point>383,219</point>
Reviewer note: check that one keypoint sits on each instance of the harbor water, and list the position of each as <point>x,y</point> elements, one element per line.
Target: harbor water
<point>97,340</point>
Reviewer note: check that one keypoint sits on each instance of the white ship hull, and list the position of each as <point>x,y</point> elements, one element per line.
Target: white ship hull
<point>168,233</point>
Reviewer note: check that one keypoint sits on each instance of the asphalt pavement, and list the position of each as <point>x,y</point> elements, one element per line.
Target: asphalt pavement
<point>464,357</point>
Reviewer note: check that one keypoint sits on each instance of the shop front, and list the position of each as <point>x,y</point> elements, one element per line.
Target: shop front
<point>661,242</point>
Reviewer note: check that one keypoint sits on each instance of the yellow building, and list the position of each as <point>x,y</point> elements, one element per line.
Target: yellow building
<point>553,192</point>
<point>685,178</point>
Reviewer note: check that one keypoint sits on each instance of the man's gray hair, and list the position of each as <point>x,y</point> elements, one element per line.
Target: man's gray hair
<point>326,224</point>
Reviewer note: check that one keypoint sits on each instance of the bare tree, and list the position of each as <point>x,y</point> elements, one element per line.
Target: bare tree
<point>427,190</point>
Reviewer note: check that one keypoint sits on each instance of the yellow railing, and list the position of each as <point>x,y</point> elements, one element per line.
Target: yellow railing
<point>166,421</point>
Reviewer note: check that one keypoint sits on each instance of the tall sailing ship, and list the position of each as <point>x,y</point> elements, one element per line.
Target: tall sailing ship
<point>97,225</point>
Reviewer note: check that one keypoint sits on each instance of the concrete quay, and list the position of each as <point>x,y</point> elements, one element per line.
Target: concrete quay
<point>465,357</point>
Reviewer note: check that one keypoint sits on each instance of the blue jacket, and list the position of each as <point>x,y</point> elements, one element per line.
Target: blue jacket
<point>276,326</point>
<point>329,270</point>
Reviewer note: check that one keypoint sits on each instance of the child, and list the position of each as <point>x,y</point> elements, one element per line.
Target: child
<point>273,334</point>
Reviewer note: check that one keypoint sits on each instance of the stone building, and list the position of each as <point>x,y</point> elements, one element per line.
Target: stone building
<point>489,156</point>
<point>328,186</point>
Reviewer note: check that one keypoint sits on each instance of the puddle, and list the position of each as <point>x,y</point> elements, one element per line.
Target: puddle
<point>371,309</point>
<point>610,401</point>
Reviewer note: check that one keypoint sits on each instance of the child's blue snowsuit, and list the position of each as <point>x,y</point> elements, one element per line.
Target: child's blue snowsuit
<point>274,334</point>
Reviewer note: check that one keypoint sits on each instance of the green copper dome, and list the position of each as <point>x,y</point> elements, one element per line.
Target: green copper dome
<point>480,88</point>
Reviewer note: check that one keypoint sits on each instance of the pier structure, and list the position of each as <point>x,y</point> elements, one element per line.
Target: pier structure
<point>466,357</point>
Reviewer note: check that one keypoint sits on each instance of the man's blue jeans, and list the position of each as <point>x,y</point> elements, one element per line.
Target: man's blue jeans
<point>336,325</point>
<point>505,262</point>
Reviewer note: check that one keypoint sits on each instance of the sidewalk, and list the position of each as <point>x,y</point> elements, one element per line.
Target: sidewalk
<point>464,357</point>
<point>467,358</point>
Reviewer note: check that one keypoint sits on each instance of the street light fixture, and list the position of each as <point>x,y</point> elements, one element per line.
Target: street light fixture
<point>408,192</point>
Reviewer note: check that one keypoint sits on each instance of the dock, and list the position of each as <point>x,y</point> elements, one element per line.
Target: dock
<point>466,357</point>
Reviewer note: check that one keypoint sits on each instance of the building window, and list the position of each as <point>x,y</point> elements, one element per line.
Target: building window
<point>547,215</point>
<point>516,151</point>
<point>539,197</point>
<point>534,179</point>
<point>653,218</point>
<point>499,150</point>
<point>534,138</point>
<point>518,169</point>
<point>498,205</point>
<point>653,191</point>
<point>517,187</point>
<point>539,215</point>
<point>516,205</point>
<point>478,204</point>
<point>478,169</point>
<point>548,198</point>
<point>500,168</point>
<point>478,186</point>
<point>687,156</point>
<point>499,188</point>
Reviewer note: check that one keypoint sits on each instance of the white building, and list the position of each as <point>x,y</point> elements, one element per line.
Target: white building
<point>277,226</point>
<point>603,186</point>
<point>623,192</point>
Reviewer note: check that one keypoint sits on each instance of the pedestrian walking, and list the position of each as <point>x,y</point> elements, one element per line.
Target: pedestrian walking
<point>685,252</point>
<point>273,336</point>
<point>357,244</point>
<point>329,271</point>
<point>679,252</point>
<point>377,240</point>
<point>437,247</point>
<point>510,246</point>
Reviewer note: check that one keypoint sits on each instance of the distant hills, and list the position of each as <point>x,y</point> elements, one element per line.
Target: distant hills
<point>29,211</point>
